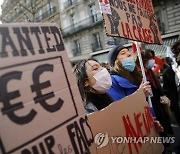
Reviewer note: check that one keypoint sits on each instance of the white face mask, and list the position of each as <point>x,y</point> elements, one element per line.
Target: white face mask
<point>150,64</point>
<point>103,81</point>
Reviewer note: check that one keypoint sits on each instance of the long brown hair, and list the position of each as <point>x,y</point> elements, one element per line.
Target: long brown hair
<point>134,77</point>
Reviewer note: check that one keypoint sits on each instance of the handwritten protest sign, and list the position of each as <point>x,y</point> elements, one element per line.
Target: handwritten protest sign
<point>131,19</point>
<point>41,109</point>
<point>125,127</point>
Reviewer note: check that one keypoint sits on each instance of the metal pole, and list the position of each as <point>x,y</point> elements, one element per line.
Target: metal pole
<point>143,72</point>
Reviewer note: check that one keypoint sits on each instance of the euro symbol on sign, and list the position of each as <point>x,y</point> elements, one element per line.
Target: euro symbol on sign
<point>101,139</point>
<point>38,86</point>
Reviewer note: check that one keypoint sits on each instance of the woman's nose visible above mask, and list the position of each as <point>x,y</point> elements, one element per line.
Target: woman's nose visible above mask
<point>113,54</point>
<point>92,67</point>
<point>124,53</point>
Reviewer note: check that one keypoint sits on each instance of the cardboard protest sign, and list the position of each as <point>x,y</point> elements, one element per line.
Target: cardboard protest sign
<point>131,19</point>
<point>125,127</point>
<point>41,109</point>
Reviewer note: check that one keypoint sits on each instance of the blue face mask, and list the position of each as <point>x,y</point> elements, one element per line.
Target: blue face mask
<point>128,64</point>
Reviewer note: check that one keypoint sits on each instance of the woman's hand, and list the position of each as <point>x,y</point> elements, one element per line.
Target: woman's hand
<point>146,88</point>
<point>158,126</point>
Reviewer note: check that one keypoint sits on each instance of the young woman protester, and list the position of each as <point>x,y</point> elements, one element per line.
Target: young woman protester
<point>158,95</point>
<point>93,81</point>
<point>126,79</point>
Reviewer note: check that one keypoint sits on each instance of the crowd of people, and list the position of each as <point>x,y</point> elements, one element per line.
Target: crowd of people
<point>99,87</point>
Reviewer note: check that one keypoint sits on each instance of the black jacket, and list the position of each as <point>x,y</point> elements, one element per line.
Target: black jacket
<point>169,86</point>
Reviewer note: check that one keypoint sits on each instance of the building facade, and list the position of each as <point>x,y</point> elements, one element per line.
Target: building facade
<point>84,32</point>
<point>168,18</point>
<point>82,25</point>
<point>82,29</point>
<point>30,11</point>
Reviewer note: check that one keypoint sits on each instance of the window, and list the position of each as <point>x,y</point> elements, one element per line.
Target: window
<point>97,39</point>
<point>160,21</point>
<point>93,12</point>
<point>70,2</point>
<point>40,14</point>
<point>77,48</point>
<point>72,22</point>
<point>26,19</point>
<point>97,42</point>
<point>49,7</point>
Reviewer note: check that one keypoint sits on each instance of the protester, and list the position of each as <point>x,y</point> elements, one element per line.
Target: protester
<point>170,88</point>
<point>126,78</point>
<point>158,63</point>
<point>165,65</point>
<point>93,81</point>
<point>176,50</point>
<point>158,95</point>
<point>106,65</point>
